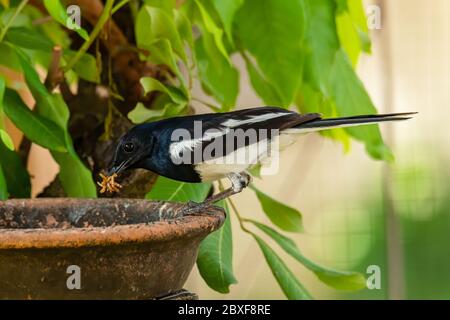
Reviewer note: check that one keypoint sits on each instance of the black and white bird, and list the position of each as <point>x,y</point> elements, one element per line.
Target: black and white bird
<point>209,147</point>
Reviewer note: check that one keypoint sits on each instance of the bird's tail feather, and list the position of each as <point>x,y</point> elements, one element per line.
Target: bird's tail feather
<point>330,123</point>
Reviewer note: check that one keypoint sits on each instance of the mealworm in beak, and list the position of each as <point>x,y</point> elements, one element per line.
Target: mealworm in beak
<point>108,183</point>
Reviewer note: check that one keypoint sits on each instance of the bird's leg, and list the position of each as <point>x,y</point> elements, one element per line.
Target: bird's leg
<point>238,182</point>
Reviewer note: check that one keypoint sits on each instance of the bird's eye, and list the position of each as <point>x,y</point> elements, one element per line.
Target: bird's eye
<point>128,147</point>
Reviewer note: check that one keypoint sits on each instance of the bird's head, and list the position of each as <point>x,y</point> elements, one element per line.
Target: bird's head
<point>132,150</point>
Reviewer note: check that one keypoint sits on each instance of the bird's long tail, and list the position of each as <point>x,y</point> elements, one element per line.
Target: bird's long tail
<point>330,123</point>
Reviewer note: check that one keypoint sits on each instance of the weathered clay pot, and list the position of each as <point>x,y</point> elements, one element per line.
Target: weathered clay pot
<point>125,249</point>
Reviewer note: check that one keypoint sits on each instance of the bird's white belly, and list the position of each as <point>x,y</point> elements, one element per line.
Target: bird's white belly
<point>244,158</point>
<point>212,172</point>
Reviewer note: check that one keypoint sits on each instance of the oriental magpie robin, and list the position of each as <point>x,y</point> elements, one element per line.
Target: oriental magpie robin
<point>208,147</point>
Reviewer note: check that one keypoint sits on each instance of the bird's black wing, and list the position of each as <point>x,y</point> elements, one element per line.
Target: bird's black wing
<point>225,128</point>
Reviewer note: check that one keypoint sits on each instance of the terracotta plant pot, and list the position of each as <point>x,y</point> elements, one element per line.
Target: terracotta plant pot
<point>111,248</point>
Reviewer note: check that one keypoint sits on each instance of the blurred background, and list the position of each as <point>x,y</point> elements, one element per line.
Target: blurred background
<point>359,212</point>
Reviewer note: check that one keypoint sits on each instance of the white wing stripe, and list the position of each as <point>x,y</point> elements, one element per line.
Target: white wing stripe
<point>177,148</point>
<point>214,133</point>
<point>231,123</point>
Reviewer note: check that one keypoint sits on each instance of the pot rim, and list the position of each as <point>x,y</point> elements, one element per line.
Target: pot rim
<point>155,232</point>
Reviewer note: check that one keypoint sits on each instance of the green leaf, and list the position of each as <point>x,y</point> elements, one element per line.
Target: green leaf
<point>352,99</point>
<point>321,42</point>
<point>4,136</point>
<point>272,32</point>
<point>217,75</point>
<point>8,57</point>
<point>75,178</point>
<point>3,187</point>
<point>6,139</point>
<point>13,176</point>
<point>291,287</point>
<point>227,10</point>
<point>268,92</point>
<point>210,27</point>
<point>337,279</point>
<point>48,127</point>
<point>215,257</point>
<point>142,114</point>
<point>170,190</point>
<point>37,128</point>
<point>16,175</point>
<point>5,3</point>
<point>286,218</point>
<point>312,100</point>
<point>161,53</point>
<point>255,171</point>
<point>356,9</point>
<point>172,103</point>
<point>151,84</point>
<point>184,27</point>
<point>59,13</point>
<point>46,103</point>
<point>167,5</point>
<point>86,67</point>
<point>19,18</point>
<point>329,71</point>
<point>352,29</point>
<point>55,32</point>
<point>342,6</point>
<point>29,39</point>
<point>348,37</point>
<point>154,24</point>
<point>2,94</point>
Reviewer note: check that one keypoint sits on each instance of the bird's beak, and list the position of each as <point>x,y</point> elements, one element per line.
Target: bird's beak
<point>112,170</point>
<point>119,168</point>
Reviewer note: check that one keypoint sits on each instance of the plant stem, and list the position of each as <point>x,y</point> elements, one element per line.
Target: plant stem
<point>209,105</point>
<point>98,27</point>
<point>240,218</point>
<point>236,212</point>
<point>134,8</point>
<point>119,5</point>
<point>11,20</point>
<point>54,74</point>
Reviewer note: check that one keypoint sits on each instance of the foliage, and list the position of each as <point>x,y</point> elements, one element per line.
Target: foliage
<point>296,52</point>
